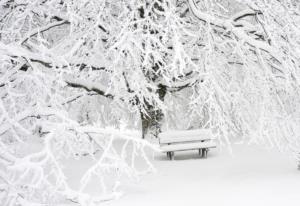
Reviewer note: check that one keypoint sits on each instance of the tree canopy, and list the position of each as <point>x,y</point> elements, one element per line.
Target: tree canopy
<point>71,68</point>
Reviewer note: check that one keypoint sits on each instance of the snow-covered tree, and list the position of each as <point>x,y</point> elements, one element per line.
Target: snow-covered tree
<point>70,68</point>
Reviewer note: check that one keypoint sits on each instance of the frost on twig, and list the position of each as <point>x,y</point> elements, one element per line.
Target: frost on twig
<point>42,177</point>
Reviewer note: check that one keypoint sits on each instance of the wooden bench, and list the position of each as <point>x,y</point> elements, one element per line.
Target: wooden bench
<point>182,140</point>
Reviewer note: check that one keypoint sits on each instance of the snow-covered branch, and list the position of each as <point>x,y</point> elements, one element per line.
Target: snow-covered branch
<point>89,86</point>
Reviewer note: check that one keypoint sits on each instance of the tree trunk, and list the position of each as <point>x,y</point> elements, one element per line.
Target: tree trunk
<point>153,118</point>
<point>151,122</point>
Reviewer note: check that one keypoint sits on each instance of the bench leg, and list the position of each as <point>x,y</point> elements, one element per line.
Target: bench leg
<point>200,152</point>
<point>168,155</point>
<point>204,152</point>
<point>171,155</point>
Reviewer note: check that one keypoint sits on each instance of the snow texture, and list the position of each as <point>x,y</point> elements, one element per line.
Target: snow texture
<point>250,175</point>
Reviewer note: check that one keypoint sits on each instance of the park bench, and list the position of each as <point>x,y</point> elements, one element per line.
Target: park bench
<point>182,140</point>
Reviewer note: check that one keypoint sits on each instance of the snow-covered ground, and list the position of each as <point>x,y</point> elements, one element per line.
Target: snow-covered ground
<point>251,175</point>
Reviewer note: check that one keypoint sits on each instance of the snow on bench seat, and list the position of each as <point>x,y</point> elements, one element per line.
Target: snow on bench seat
<point>176,136</point>
<point>181,140</point>
<point>185,133</point>
<point>187,146</point>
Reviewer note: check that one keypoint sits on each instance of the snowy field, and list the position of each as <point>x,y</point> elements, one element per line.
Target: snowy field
<point>250,176</point>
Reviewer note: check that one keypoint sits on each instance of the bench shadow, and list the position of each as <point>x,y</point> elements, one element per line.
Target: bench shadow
<point>181,156</point>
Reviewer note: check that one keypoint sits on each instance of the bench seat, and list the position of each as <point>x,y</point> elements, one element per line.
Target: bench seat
<point>187,146</point>
<point>182,140</point>
<point>174,140</point>
<point>188,135</point>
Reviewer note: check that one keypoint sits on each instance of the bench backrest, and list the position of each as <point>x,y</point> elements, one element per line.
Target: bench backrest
<point>177,136</point>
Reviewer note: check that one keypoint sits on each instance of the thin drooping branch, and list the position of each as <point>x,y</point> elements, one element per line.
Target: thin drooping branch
<point>228,25</point>
<point>245,13</point>
<point>178,86</point>
<point>76,83</point>
<point>43,29</point>
<point>88,86</point>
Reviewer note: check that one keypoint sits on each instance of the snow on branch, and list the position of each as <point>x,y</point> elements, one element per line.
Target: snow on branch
<point>89,86</point>
<point>32,181</point>
<point>228,25</point>
<point>242,14</point>
<point>43,29</point>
